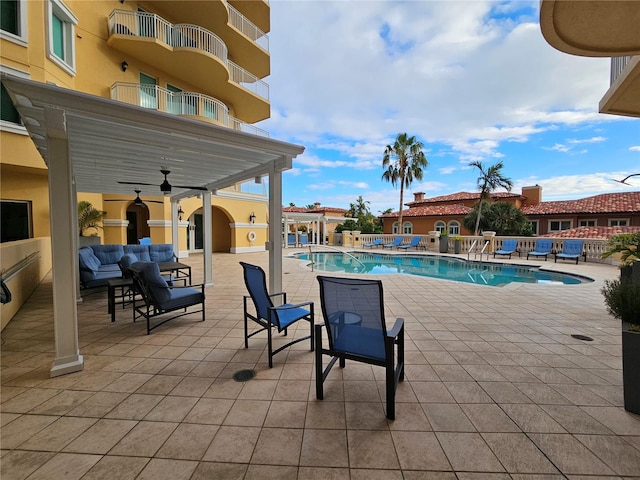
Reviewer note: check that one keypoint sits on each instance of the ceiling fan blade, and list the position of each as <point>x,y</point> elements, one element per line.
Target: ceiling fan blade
<point>132,200</point>
<point>191,188</point>
<point>139,183</point>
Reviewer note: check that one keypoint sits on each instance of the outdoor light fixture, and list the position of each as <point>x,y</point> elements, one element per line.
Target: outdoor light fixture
<point>180,212</point>
<point>124,66</point>
<point>252,217</point>
<point>258,179</point>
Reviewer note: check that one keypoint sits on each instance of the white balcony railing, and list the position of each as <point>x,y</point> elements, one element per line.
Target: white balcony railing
<point>241,22</point>
<point>180,103</point>
<point>143,24</point>
<point>617,66</point>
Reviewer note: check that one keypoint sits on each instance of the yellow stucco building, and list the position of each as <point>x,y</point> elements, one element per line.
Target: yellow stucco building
<point>205,61</point>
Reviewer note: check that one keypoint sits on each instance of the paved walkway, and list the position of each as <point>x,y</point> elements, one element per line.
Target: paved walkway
<point>495,388</point>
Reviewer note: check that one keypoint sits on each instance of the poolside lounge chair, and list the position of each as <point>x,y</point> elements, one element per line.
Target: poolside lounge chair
<point>396,242</point>
<point>542,248</point>
<point>269,316</point>
<point>353,311</point>
<point>415,243</point>
<point>571,249</point>
<point>509,246</point>
<point>376,243</point>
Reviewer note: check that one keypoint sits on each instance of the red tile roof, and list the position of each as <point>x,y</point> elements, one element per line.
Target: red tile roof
<point>431,210</point>
<point>461,196</point>
<point>313,210</point>
<point>592,232</point>
<point>605,203</point>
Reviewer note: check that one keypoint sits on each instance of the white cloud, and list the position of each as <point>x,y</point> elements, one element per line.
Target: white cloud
<point>635,148</point>
<point>587,140</point>
<point>575,186</point>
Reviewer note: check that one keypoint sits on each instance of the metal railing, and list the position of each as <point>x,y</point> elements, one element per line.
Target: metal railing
<point>8,273</point>
<point>143,24</point>
<point>180,103</point>
<point>618,64</point>
<point>247,27</point>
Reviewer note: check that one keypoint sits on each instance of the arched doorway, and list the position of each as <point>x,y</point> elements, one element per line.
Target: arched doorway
<point>138,227</point>
<point>220,234</point>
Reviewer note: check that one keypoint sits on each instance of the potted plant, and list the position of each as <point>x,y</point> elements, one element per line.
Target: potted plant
<point>444,242</point>
<point>622,298</point>
<point>627,246</point>
<point>457,244</point>
<point>89,218</point>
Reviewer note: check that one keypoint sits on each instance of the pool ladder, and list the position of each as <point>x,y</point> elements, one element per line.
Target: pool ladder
<point>482,251</point>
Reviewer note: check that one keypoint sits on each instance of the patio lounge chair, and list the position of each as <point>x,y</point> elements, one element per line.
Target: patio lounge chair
<point>415,243</point>
<point>353,312</point>
<point>396,242</point>
<point>376,243</point>
<point>509,246</point>
<point>542,248</point>
<point>571,249</point>
<point>158,298</point>
<point>269,316</point>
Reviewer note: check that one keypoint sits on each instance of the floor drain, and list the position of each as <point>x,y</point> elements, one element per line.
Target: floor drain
<point>244,375</point>
<point>582,337</point>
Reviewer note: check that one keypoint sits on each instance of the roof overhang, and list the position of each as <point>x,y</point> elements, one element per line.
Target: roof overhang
<point>110,141</point>
<point>592,28</point>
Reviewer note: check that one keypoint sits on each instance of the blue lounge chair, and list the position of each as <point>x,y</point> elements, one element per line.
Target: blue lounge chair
<point>376,243</point>
<point>571,249</point>
<point>509,246</point>
<point>396,243</point>
<point>542,248</point>
<point>415,243</point>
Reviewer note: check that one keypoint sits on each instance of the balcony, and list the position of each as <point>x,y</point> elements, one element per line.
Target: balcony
<point>188,104</point>
<point>152,39</point>
<point>623,96</point>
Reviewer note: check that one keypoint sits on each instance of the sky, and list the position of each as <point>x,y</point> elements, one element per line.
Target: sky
<point>472,80</point>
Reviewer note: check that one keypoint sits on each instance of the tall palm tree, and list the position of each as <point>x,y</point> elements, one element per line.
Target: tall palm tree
<point>488,181</point>
<point>404,161</point>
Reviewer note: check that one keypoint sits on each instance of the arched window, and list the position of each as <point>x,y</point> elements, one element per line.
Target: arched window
<point>407,228</point>
<point>454,227</point>
<point>394,229</point>
<point>440,226</point>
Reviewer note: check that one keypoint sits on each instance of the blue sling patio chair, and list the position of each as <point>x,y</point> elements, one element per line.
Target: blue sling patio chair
<point>415,243</point>
<point>270,316</point>
<point>160,299</point>
<point>542,248</point>
<point>353,312</point>
<point>509,246</point>
<point>570,250</point>
<point>376,243</point>
<point>396,242</point>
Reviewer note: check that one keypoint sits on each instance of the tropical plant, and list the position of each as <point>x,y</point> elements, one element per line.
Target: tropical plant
<point>365,221</point>
<point>622,298</point>
<point>89,217</point>
<point>470,220</point>
<point>404,162</point>
<point>505,218</point>
<point>627,245</point>
<point>488,181</point>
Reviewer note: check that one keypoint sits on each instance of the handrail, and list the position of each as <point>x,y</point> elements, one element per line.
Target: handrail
<point>486,244</point>
<point>471,248</point>
<point>12,271</point>
<point>248,28</point>
<point>332,248</point>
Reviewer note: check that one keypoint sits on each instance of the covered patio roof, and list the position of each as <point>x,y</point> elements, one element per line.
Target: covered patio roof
<point>90,144</point>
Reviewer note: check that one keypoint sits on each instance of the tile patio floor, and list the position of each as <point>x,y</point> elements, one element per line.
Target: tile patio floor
<point>495,388</point>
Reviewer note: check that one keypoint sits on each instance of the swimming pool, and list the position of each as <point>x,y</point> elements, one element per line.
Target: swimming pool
<point>448,268</point>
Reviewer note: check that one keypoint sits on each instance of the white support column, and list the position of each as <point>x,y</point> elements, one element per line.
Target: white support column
<point>207,234</point>
<point>275,227</point>
<point>64,247</point>
<point>174,227</point>
<point>74,192</point>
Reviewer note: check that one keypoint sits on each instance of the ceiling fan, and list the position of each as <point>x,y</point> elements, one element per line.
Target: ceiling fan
<point>165,186</point>
<point>624,180</point>
<point>136,201</point>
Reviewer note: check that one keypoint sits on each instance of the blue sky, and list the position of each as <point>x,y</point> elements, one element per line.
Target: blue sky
<point>472,80</point>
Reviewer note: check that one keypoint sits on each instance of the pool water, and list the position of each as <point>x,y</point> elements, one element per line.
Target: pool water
<point>448,268</point>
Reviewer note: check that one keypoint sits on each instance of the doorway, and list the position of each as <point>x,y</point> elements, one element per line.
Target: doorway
<point>138,226</point>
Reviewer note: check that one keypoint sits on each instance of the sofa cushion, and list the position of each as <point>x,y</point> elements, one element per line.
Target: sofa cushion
<point>158,287</point>
<point>87,259</point>
<point>140,251</point>
<point>161,252</point>
<point>128,259</point>
<point>109,254</point>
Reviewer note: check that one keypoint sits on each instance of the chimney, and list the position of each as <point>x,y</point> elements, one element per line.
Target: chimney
<point>533,195</point>
<point>418,197</point>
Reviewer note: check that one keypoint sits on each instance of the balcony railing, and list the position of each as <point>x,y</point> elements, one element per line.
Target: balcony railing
<point>617,66</point>
<point>241,22</point>
<point>180,103</point>
<point>143,24</point>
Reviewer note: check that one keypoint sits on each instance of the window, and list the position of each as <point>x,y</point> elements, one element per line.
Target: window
<point>587,223</point>
<point>407,228</point>
<point>559,225</point>
<point>394,229</point>
<point>618,222</point>
<point>15,219</point>
<point>440,226</point>
<point>454,228</point>
<point>61,36</point>
<point>13,21</point>
<point>148,91</point>
<point>10,119</point>
<point>534,227</point>
<point>9,112</point>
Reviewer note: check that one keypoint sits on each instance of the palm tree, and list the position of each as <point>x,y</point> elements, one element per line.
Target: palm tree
<point>404,161</point>
<point>88,217</point>
<point>489,180</point>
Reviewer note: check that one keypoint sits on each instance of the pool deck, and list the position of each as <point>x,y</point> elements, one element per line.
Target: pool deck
<point>495,388</point>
